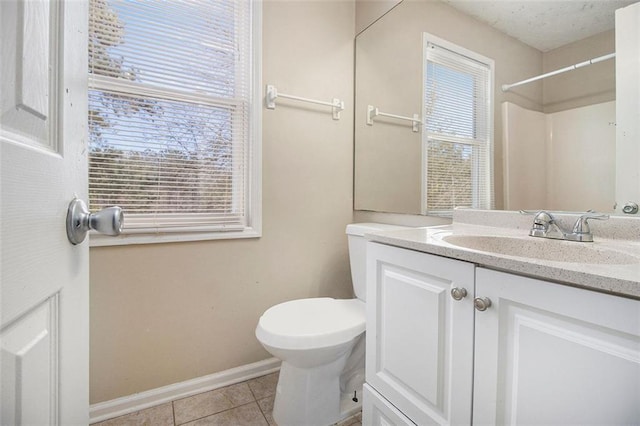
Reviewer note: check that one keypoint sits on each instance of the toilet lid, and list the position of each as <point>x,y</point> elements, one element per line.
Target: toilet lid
<point>312,323</point>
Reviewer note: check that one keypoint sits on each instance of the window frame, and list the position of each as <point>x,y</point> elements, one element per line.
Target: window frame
<point>427,39</point>
<point>253,191</point>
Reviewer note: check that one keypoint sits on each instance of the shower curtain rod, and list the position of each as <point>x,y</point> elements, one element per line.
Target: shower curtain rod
<point>506,87</point>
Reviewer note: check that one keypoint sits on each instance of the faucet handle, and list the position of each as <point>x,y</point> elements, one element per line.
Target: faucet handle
<point>581,229</point>
<point>582,226</point>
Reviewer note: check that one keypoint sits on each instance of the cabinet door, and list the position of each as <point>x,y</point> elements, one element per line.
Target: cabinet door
<point>552,354</point>
<point>419,339</point>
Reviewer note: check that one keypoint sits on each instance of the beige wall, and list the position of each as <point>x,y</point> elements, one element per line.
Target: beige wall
<point>584,86</point>
<point>389,75</point>
<point>368,11</point>
<point>166,313</point>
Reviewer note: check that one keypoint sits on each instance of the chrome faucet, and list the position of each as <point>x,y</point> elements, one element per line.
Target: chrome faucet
<point>546,226</point>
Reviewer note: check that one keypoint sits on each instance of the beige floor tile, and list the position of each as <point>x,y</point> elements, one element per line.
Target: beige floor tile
<point>264,386</point>
<point>245,415</point>
<point>154,416</point>
<point>350,421</point>
<point>212,402</point>
<point>266,406</point>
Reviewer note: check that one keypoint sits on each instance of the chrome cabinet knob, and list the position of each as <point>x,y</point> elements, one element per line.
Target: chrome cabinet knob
<point>482,303</point>
<point>458,293</point>
<point>107,221</point>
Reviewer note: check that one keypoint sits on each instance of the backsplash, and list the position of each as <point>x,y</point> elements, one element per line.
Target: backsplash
<point>616,227</point>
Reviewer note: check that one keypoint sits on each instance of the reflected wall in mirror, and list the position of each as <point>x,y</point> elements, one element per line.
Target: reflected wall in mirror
<point>553,139</point>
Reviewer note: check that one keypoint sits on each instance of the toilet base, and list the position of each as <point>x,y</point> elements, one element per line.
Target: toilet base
<point>348,407</point>
<point>309,396</point>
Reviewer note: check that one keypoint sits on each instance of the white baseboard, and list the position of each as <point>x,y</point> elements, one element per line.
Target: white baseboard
<point>139,401</point>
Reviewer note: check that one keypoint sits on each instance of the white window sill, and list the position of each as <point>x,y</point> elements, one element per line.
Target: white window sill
<point>99,240</point>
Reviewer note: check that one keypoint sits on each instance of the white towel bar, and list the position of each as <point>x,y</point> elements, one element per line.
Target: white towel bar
<point>374,112</point>
<point>272,94</point>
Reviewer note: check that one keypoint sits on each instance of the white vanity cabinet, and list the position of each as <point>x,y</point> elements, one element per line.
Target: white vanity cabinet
<point>419,339</point>
<point>552,354</point>
<point>541,352</point>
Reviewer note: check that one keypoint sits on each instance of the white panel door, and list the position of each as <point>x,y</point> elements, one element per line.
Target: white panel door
<point>551,354</point>
<point>44,278</point>
<point>419,339</point>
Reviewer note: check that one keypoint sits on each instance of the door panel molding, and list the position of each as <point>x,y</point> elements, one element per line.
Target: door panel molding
<point>27,344</point>
<point>31,44</point>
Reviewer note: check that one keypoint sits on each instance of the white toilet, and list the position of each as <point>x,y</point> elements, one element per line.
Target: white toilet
<point>321,344</point>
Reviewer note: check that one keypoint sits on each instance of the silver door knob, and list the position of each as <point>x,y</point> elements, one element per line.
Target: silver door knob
<point>458,293</point>
<point>482,303</point>
<point>107,221</point>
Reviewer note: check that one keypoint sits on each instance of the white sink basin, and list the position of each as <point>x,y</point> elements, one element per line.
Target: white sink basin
<point>542,249</point>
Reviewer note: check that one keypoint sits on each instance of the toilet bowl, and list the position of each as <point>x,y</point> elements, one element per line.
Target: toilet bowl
<point>314,338</point>
<point>321,344</point>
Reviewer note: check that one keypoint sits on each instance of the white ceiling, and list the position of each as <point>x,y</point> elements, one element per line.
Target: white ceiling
<point>544,24</point>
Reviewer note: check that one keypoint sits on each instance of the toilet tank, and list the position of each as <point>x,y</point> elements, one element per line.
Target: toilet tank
<point>358,254</point>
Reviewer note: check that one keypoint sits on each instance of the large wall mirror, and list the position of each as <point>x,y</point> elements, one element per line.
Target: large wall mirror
<point>554,140</point>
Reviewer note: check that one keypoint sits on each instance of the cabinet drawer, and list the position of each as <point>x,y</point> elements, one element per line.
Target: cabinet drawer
<point>377,411</point>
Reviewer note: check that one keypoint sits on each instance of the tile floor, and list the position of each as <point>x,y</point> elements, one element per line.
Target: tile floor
<point>244,404</point>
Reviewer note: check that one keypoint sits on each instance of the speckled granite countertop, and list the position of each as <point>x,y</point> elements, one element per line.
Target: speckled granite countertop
<point>617,238</point>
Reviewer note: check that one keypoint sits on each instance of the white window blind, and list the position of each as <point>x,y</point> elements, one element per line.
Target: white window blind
<point>170,92</point>
<point>458,129</point>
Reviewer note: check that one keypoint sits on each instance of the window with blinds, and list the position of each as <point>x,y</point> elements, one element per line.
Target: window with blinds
<point>458,132</point>
<point>171,113</point>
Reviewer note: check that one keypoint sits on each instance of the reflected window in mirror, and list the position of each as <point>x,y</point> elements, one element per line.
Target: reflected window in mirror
<point>458,136</point>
